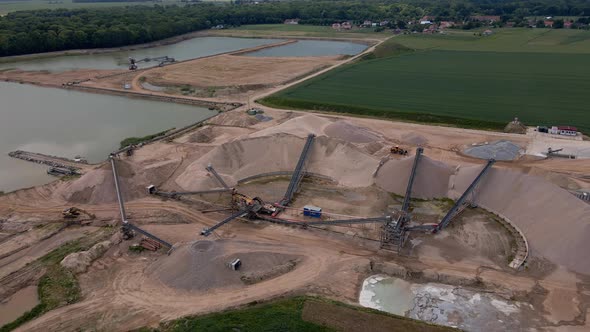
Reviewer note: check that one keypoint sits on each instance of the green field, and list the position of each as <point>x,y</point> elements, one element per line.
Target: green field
<point>296,314</point>
<point>460,79</point>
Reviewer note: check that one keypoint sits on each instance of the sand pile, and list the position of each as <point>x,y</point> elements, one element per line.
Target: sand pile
<point>98,186</point>
<point>555,223</point>
<point>300,126</point>
<point>432,177</point>
<point>499,150</point>
<point>414,139</point>
<point>259,155</point>
<point>202,265</point>
<point>349,132</point>
<point>515,127</point>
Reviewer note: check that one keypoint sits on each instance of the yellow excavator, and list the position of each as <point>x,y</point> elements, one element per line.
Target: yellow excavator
<point>397,150</point>
<point>74,214</point>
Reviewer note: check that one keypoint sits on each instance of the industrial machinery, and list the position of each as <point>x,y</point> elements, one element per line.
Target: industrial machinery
<point>162,60</point>
<point>397,150</point>
<point>74,212</point>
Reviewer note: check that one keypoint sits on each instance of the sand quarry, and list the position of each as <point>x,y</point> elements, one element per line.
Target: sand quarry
<point>524,204</point>
<point>353,174</point>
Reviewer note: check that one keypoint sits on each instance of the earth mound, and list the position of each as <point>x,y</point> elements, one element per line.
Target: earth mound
<point>203,265</point>
<point>431,181</point>
<point>349,132</point>
<point>515,127</point>
<point>237,160</point>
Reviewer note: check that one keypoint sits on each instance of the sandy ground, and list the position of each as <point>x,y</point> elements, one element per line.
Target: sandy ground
<point>134,290</point>
<point>47,78</point>
<point>236,70</point>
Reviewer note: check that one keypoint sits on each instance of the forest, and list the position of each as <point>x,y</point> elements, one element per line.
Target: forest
<point>25,32</point>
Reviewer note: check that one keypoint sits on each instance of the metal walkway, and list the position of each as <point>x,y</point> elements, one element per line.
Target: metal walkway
<point>208,231</point>
<point>393,233</point>
<point>408,197</point>
<point>176,194</point>
<point>297,173</point>
<point>212,170</point>
<point>146,233</point>
<point>459,205</point>
<point>125,223</point>
<point>326,222</point>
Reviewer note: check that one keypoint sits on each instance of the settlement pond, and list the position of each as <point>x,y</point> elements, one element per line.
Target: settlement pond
<point>188,49</point>
<point>69,123</point>
<point>311,48</point>
<point>442,304</point>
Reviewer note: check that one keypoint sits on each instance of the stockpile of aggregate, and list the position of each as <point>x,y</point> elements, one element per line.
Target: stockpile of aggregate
<point>499,150</point>
<point>349,132</point>
<point>237,160</point>
<point>431,180</point>
<point>204,265</point>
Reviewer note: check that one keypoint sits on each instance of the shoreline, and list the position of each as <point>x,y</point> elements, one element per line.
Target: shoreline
<point>171,41</point>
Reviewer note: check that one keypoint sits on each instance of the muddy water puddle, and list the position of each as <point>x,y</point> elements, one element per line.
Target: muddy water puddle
<point>19,303</point>
<point>442,304</point>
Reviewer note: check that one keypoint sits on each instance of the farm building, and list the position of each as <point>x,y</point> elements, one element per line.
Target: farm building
<point>291,21</point>
<point>564,130</point>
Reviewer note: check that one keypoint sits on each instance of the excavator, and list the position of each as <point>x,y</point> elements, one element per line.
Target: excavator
<point>397,150</point>
<point>73,214</point>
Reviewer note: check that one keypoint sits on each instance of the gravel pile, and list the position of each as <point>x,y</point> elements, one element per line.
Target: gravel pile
<point>499,150</point>
<point>203,265</point>
<point>349,132</point>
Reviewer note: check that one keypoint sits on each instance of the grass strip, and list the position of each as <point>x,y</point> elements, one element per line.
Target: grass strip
<point>283,315</point>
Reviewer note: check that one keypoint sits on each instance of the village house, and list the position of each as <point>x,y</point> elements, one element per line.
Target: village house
<point>367,24</point>
<point>567,25</point>
<point>488,32</point>
<point>548,24</point>
<point>291,21</point>
<point>342,26</point>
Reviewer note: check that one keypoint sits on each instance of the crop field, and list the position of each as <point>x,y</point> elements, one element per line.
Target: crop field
<point>503,40</point>
<point>454,82</point>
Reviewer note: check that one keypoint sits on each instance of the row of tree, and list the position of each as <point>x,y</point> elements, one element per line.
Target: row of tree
<point>61,29</point>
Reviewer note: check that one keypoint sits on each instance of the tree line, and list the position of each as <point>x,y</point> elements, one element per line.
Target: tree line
<point>25,32</point>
